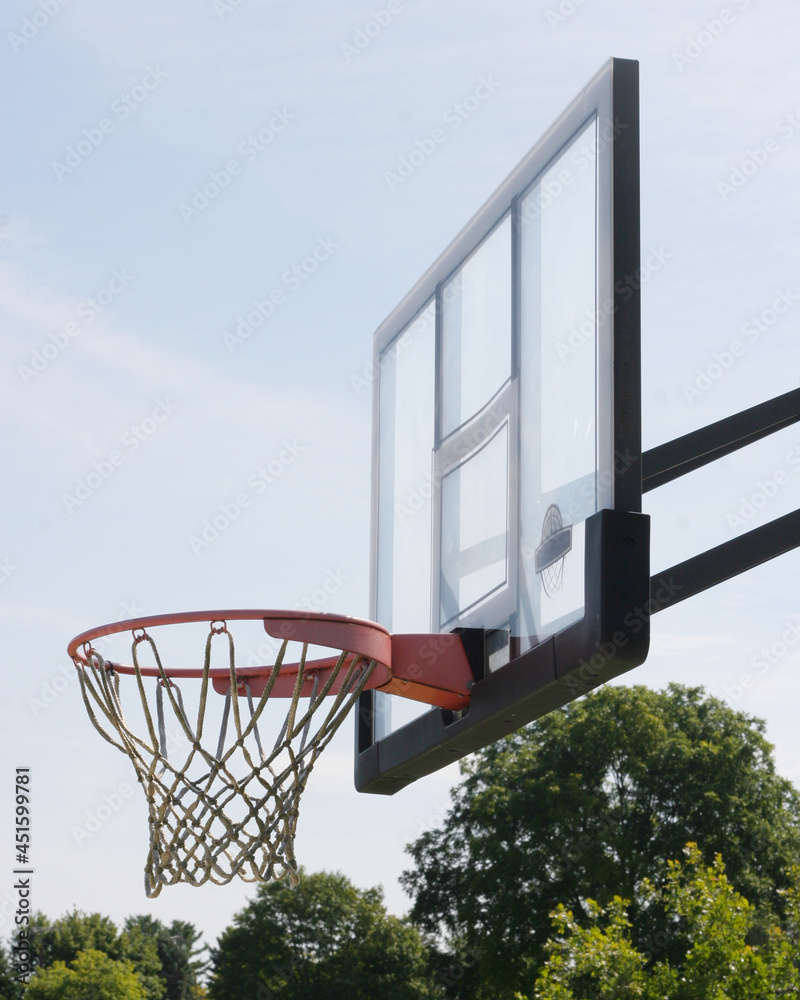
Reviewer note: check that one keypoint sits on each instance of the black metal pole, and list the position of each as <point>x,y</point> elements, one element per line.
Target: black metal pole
<point>727,560</point>
<point>669,461</point>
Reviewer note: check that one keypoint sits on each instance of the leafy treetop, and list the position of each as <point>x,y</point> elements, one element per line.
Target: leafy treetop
<point>588,802</point>
<point>325,939</point>
<point>92,975</point>
<point>597,961</point>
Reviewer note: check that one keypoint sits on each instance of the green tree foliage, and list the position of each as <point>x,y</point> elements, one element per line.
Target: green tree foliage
<point>588,802</point>
<point>323,940</point>
<point>91,975</point>
<point>598,961</point>
<point>177,947</point>
<point>64,939</point>
<point>141,951</point>
<point>10,989</point>
<point>61,940</point>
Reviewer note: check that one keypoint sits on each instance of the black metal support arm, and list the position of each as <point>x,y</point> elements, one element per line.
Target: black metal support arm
<point>669,461</point>
<point>725,561</point>
<point>675,458</point>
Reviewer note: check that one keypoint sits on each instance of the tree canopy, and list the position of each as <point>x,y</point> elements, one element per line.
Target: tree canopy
<point>587,803</point>
<point>91,974</point>
<point>64,939</point>
<point>324,939</point>
<point>712,922</point>
<point>163,958</point>
<point>10,988</point>
<point>177,949</point>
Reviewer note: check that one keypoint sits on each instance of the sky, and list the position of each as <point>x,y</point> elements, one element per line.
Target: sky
<point>134,347</point>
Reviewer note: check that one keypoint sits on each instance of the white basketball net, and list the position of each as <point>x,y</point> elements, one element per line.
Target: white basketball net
<point>233,811</point>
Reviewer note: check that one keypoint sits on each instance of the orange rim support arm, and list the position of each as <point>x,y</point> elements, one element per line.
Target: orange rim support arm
<point>430,668</point>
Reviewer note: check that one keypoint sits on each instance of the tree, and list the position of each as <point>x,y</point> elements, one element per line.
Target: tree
<point>322,940</point>
<point>10,988</point>
<point>141,951</point>
<point>587,802</point>
<point>61,940</point>
<point>712,922</point>
<point>177,952</point>
<point>92,975</point>
<point>64,939</point>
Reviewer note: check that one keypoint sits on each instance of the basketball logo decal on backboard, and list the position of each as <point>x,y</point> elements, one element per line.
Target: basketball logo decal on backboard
<point>549,556</point>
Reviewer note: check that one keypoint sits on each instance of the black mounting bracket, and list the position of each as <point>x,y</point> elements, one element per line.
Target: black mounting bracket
<point>692,451</point>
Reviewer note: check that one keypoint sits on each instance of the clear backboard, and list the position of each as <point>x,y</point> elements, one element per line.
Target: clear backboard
<point>507,446</point>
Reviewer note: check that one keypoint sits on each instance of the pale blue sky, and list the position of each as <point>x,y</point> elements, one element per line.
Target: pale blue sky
<point>202,78</point>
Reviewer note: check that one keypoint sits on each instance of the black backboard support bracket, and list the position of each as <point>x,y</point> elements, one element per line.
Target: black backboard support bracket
<point>692,451</point>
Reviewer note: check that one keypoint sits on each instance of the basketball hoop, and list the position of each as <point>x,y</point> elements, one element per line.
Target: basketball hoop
<point>229,806</point>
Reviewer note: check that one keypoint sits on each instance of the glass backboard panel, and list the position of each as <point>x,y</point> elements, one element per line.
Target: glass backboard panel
<point>406,414</point>
<point>406,477</point>
<point>498,422</point>
<point>558,387</point>
<point>476,329</point>
<point>474,555</point>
